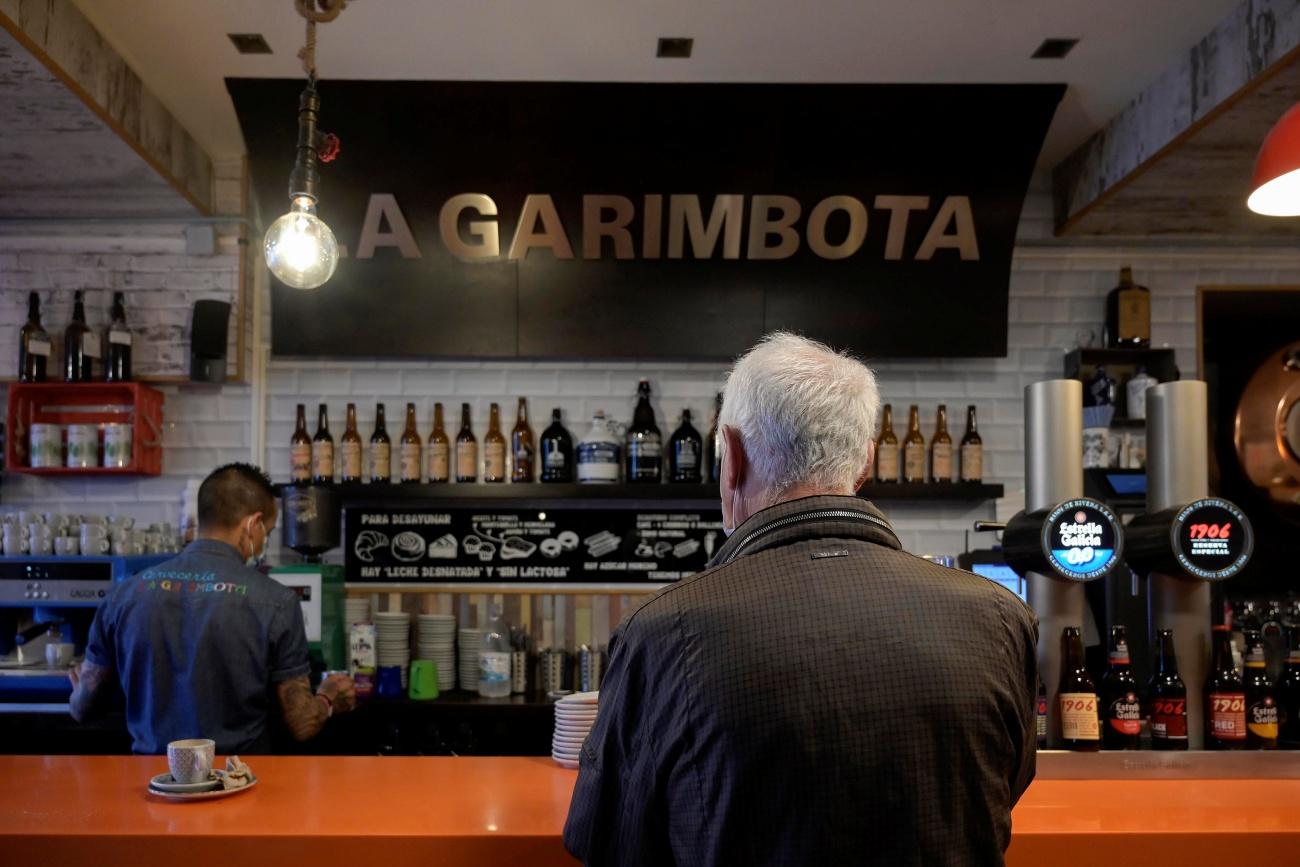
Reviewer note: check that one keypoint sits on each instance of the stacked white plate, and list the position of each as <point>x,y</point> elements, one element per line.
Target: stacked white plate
<point>393,640</point>
<point>436,640</point>
<point>470,643</point>
<point>356,609</point>
<point>574,716</point>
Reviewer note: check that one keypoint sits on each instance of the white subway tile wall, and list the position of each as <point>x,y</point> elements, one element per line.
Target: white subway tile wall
<point>1057,300</point>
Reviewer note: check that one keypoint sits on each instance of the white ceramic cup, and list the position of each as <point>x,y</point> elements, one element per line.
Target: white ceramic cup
<point>59,654</point>
<point>67,546</point>
<point>94,539</point>
<point>15,539</point>
<point>29,518</point>
<point>96,530</point>
<point>125,548</point>
<point>190,761</point>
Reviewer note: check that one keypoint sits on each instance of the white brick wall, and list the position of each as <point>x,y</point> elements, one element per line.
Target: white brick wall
<point>1056,293</point>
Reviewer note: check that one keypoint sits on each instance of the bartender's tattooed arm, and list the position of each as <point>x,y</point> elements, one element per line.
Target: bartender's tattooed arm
<point>304,714</point>
<point>90,686</point>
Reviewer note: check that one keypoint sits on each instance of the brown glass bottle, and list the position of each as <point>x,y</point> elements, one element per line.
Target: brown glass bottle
<point>439,449</point>
<point>322,449</point>
<point>887,452</point>
<point>1128,313</point>
<point>1168,697</point>
<point>1077,697</point>
<point>350,449</point>
<point>522,446</point>
<point>300,449</point>
<point>941,449</point>
<point>1120,708</point>
<point>410,459</point>
<point>494,448</point>
<point>466,449</point>
<point>1225,697</point>
<point>381,450</point>
<point>118,341</point>
<point>972,451</point>
<point>34,345</point>
<point>1262,716</point>
<point>914,448</point>
<point>80,345</point>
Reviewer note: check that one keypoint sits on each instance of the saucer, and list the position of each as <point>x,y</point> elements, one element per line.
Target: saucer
<point>201,796</point>
<point>165,783</point>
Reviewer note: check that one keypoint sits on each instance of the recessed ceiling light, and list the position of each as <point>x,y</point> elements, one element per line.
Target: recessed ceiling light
<point>675,46</point>
<point>250,43</point>
<point>1054,49</point>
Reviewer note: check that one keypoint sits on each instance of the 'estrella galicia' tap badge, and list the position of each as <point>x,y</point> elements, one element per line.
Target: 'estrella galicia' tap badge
<point>1082,539</point>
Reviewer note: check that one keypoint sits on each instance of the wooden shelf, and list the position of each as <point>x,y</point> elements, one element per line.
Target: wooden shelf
<point>368,493</point>
<point>85,403</point>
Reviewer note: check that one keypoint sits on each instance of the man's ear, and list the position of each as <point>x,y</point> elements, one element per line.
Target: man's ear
<point>734,462</point>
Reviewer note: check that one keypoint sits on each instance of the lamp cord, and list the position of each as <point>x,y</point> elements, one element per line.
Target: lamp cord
<point>316,12</point>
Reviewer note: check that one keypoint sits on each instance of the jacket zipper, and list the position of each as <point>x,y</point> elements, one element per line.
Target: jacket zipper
<point>808,516</point>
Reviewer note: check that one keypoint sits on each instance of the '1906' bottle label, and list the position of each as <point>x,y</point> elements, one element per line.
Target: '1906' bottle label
<point>1079,716</point>
<point>1169,718</point>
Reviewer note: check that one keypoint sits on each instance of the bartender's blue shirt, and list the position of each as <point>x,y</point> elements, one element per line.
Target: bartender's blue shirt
<point>197,644</point>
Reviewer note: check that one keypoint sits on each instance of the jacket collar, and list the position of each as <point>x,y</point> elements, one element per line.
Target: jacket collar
<point>808,518</point>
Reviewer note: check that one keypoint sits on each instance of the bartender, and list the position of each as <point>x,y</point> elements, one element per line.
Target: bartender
<point>204,645</point>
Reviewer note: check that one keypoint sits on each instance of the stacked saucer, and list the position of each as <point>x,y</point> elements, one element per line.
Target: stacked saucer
<point>436,640</point>
<point>393,640</point>
<point>356,609</point>
<point>469,643</point>
<point>574,716</point>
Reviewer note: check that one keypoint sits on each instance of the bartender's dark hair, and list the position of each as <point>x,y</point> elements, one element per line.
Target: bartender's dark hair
<point>233,492</point>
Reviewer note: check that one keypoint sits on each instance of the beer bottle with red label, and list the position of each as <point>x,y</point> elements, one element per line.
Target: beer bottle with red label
<point>1077,697</point>
<point>1119,699</point>
<point>1225,697</point>
<point>1168,697</point>
<point>1040,716</point>
<point>1288,695</point>
<point>1261,698</point>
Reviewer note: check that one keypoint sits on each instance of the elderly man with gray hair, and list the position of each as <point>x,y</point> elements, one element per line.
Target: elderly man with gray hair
<point>816,696</point>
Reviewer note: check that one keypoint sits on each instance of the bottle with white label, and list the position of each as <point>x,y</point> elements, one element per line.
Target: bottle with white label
<point>914,448</point>
<point>1077,698</point>
<point>599,453</point>
<point>117,361</point>
<point>494,448</point>
<point>972,450</point>
<point>494,658</point>
<point>410,451</point>
<point>887,453</point>
<point>941,449</point>
<point>1136,392</point>
<point>300,467</point>
<point>33,344</point>
<point>350,449</point>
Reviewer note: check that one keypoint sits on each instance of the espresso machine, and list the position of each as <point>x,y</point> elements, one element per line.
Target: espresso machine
<point>46,608</point>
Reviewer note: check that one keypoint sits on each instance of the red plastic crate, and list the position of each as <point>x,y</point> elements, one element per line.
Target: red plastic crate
<point>85,403</point>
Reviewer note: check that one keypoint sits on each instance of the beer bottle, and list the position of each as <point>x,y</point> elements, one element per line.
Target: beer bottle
<point>557,451</point>
<point>439,449</point>
<point>300,449</point>
<point>80,345</point>
<point>322,450</point>
<point>1225,697</point>
<point>644,446</point>
<point>1288,694</point>
<point>684,453</point>
<point>914,448</point>
<point>117,365</point>
<point>1077,697</point>
<point>1040,715</point>
<point>466,449</point>
<point>887,469</point>
<point>410,460</point>
<point>34,345</point>
<point>972,451</point>
<point>381,450</point>
<point>494,448</point>
<point>350,449</point>
<point>1261,697</point>
<point>1119,699</point>
<point>522,448</point>
<point>1168,697</point>
<point>941,449</point>
<point>713,445</point>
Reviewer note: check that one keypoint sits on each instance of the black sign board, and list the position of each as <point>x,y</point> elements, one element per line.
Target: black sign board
<point>1212,539</point>
<point>1082,539</point>
<point>482,541</point>
<point>543,220</point>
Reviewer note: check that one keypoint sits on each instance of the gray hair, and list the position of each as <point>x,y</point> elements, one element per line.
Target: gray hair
<point>805,413</point>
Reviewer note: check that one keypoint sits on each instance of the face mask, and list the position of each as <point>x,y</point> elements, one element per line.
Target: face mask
<point>255,560</point>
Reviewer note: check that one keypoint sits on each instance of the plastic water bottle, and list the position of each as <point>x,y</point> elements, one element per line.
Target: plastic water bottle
<point>494,658</point>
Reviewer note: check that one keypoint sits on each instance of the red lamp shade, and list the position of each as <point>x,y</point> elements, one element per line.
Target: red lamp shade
<point>1276,190</point>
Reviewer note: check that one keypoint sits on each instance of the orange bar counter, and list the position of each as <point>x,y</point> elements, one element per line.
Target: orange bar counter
<point>392,812</point>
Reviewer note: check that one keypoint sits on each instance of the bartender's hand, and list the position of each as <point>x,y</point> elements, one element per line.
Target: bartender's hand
<point>341,692</point>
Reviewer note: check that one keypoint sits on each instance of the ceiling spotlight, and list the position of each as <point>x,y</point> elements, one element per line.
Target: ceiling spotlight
<point>300,249</point>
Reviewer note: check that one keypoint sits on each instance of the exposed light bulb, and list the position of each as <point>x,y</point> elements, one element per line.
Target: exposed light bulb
<point>1279,197</point>
<point>300,249</point>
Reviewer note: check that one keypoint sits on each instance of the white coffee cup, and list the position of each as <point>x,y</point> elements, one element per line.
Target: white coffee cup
<point>29,518</point>
<point>67,546</point>
<point>190,761</point>
<point>58,654</point>
<point>125,548</point>
<point>15,539</point>
<point>91,529</point>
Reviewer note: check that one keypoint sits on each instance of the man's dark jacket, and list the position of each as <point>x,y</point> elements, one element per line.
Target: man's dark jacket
<point>818,696</point>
